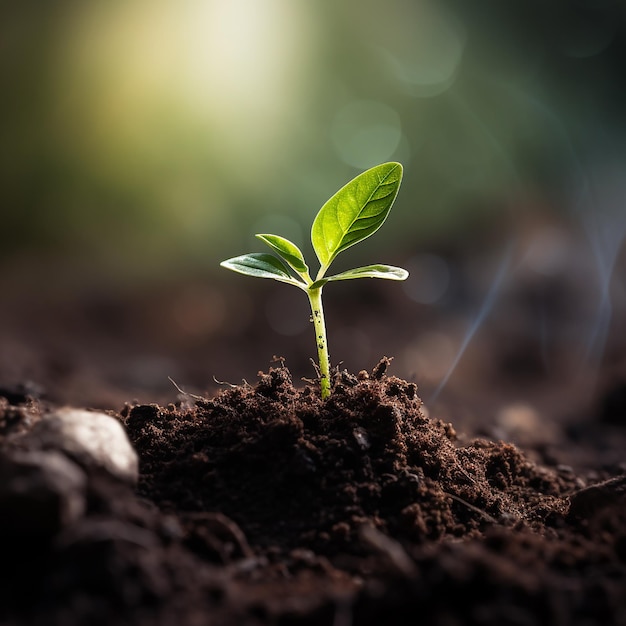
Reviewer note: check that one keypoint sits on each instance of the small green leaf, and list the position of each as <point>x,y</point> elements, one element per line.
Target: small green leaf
<point>355,212</point>
<point>373,271</point>
<point>288,250</point>
<point>261,265</point>
<point>369,271</point>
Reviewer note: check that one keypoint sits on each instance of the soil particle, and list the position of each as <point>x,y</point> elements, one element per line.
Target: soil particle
<point>40,494</point>
<point>609,494</point>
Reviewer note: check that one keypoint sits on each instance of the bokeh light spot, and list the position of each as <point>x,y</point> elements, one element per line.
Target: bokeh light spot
<point>426,53</point>
<point>365,133</point>
<point>429,356</point>
<point>584,36</point>
<point>429,277</point>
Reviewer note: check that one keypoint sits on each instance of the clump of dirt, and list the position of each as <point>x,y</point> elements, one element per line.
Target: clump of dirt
<point>266,505</point>
<point>292,470</point>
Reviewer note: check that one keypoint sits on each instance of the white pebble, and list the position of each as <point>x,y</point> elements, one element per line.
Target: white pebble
<point>92,439</point>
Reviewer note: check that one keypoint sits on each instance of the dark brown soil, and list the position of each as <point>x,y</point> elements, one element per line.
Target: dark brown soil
<point>266,505</point>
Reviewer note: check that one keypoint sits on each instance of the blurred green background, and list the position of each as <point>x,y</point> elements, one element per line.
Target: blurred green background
<point>143,141</point>
<point>151,136</point>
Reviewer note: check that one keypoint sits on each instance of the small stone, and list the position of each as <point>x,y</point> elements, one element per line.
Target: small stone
<point>41,492</point>
<point>90,438</point>
<point>361,437</point>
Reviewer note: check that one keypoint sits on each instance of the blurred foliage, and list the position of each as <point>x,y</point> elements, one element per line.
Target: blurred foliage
<point>162,133</point>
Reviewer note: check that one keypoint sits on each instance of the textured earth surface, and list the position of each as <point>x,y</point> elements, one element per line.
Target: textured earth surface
<point>263,504</point>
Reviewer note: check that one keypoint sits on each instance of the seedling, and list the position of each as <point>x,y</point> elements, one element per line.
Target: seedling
<point>354,213</point>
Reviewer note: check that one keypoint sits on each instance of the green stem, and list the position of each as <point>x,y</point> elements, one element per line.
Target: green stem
<point>315,298</point>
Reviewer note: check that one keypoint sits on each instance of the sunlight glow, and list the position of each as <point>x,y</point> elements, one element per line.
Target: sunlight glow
<point>221,79</point>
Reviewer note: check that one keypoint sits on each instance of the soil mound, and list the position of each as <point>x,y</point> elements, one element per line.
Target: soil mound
<point>292,470</point>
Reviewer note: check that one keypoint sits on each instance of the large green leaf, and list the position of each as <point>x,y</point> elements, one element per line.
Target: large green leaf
<point>261,265</point>
<point>288,250</point>
<point>355,212</point>
<point>379,270</point>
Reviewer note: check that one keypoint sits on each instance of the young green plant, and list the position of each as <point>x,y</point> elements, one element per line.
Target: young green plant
<point>354,213</point>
